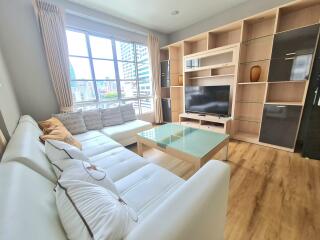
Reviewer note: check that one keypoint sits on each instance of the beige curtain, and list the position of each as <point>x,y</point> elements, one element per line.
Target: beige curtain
<point>52,27</point>
<point>3,144</point>
<point>154,56</point>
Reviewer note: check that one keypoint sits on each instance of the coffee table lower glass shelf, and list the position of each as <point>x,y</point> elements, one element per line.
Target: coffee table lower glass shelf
<point>194,145</point>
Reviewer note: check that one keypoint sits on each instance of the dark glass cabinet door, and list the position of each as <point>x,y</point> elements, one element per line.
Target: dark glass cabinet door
<point>296,42</point>
<point>292,54</point>
<point>280,125</point>
<point>166,110</point>
<point>165,73</point>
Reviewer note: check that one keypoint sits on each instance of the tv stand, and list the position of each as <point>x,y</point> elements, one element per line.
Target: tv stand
<point>217,124</point>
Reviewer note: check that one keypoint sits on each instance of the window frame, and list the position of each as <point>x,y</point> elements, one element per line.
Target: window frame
<point>117,79</point>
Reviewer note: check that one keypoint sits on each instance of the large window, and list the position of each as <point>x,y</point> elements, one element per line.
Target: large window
<point>105,72</point>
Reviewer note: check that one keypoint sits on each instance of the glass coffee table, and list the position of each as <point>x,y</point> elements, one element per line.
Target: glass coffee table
<point>191,144</point>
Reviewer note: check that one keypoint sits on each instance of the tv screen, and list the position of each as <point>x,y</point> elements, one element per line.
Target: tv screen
<point>207,99</point>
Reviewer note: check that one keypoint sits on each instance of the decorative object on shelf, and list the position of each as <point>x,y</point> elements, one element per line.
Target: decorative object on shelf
<point>180,80</point>
<point>255,73</point>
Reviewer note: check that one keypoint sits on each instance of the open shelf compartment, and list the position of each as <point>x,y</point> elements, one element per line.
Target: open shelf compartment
<point>176,68</point>
<point>213,126</point>
<point>224,36</point>
<point>212,59</point>
<point>245,68</point>
<point>246,131</point>
<point>256,50</point>
<point>291,93</point>
<point>301,14</point>
<point>196,44</point>
<point>250,112</point>
<point>259,26</point>
<point>176,103</point>
<point>251,93</point>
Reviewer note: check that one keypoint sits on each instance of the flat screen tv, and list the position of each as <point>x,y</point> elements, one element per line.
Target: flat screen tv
<point>207,99</point>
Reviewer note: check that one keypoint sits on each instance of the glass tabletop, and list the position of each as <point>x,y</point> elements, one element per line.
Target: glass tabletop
<point>193,141</point>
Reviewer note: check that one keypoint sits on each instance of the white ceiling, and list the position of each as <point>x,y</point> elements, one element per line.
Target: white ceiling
<point>156,14</point>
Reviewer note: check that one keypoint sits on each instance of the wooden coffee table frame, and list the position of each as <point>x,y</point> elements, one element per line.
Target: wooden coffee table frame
<point>197,162</point>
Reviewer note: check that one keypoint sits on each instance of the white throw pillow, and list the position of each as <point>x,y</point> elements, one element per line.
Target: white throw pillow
<point>61,154</point>
<point>87,172</point>
<point>88,211</point>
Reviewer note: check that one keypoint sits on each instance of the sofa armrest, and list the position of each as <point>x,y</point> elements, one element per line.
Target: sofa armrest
<point>197,210</point>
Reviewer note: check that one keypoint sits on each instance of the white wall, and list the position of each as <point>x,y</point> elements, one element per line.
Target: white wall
<point>23,51</point>
<point>236,13</point>
<point>9,108</point>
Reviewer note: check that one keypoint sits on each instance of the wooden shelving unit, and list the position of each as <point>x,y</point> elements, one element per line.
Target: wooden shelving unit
<point>224,36</point>
<point>209,123</point>
<point>287,92</point>
<point>300,14</point>
<point>256,49</point>
<point>174,92</point>
<point>195,44</point>
<point>225,56</point>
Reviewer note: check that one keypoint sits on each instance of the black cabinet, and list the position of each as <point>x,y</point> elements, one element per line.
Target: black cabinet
<point>280,124</point>
<point>295,42</point>
<point>165,73</point>
<point>292,54</point>
<point>166,110</point>
<point>297,68</point>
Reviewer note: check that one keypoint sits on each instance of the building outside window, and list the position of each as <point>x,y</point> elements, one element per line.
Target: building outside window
<point>106,71</point>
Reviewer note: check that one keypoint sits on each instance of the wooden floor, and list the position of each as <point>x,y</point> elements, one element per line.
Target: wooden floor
<point>273,194</point>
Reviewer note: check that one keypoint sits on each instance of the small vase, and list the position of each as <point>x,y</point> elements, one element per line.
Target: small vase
<point>255,73</point>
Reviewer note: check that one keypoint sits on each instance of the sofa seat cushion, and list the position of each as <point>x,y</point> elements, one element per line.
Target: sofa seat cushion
<point>27,205</point>
<point>94,143</point>
<point>126,130</point>
<point>88,135</point>
<point>118,162</point>
<point>145,189</point>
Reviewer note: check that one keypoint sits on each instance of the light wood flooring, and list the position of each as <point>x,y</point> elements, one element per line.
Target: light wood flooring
<point>273,194</point>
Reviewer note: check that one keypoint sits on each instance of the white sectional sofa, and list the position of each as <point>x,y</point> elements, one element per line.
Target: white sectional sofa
<point>168,207</point>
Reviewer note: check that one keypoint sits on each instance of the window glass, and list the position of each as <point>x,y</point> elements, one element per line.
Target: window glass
<point>107,90</point>
<point>101,47</point>
<point>127,70</point>
<point>77,44</point>
<point>108,104</point>
<point>145,85</point>
<point>125,51</point>
<point>142,53</point>
<point>128,89</point>
<point>146,105</point>
<point>82,91</point>
<point>104,70</point>
<point>80,68</point>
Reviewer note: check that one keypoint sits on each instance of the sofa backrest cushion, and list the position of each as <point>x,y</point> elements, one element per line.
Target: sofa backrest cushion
<point>128,113</point>
<point>26,148</point>
<point>92,119</point>
<point>111,116</point>
<point>27,205</point>
<point>72,121</point>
